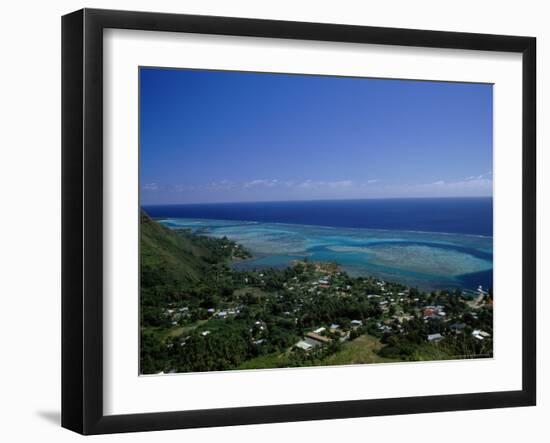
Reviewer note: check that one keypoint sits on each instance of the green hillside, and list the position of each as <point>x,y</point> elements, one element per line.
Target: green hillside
<point>179,267</point>
<point>168,258</point>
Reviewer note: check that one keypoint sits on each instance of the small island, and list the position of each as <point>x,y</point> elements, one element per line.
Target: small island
<point>198,313</point>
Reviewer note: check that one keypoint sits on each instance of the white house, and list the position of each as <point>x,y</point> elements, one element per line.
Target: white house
<point>435,337</point>
<point>303,345</point>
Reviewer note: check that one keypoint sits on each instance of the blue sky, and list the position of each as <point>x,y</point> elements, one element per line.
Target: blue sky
<point>215,136</point>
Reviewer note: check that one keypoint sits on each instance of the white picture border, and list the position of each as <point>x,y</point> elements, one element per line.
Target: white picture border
<point>126,392</point>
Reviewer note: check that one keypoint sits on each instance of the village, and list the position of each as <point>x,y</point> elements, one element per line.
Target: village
<point>311,310</point>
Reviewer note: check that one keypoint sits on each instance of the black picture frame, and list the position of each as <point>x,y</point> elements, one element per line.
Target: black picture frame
<point>82,218</point>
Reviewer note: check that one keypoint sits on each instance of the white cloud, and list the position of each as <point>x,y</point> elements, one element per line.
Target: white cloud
<point>262,182</point>
<point>222,184</point>
<point>340,184</point>
<point>469,187</point>
<point>485,175</point>
<point>278,189</point>
<point>150,187</point>
<point>183,188</point>
<point>326,184</point>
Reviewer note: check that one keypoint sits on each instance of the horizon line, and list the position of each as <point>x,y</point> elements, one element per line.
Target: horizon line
<point>316,200</point>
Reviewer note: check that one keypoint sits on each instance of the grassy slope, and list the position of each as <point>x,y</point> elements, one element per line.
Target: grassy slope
<point>361,350</point>
<point>268,361</point>
<point>167,256</point>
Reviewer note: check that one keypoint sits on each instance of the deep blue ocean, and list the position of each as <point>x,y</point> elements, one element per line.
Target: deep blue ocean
<point>453,215</point>
<point>429,243</point>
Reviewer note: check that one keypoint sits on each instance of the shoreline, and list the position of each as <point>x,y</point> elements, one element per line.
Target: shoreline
<point>234,263</point>
<point>397,272</point>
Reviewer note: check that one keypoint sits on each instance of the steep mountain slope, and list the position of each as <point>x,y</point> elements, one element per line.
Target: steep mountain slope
<point>168,259</point>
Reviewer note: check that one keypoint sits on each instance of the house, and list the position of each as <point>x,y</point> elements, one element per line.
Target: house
<point>481,291</point>
<point>428,313</point>
<point>205,333</point>
<point>314,340</point>
<point>401,317</point>
<point>479,334</point>
<point>317,338</point>
<point>303,345</point>
<point>313,343</point>
<point>344,335</point>
<point>320,330</point>
<point>356,323</point>
<point>222,314</point>
<point>334,326</point>
<point>210,310</point>
<point>433,312</point>
<point>435,337</point>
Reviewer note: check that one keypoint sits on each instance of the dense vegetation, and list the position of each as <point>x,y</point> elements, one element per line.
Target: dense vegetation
<point>198,314</point>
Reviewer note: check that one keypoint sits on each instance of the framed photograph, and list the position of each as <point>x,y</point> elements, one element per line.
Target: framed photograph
<point>269,221</point>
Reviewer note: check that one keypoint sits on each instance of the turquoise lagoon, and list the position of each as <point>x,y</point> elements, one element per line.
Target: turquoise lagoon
<point>427,260</point>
